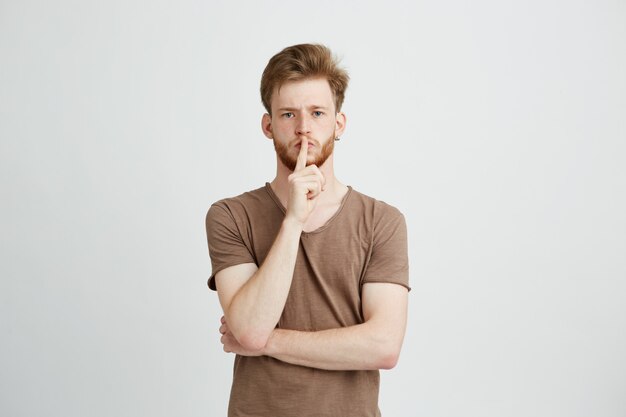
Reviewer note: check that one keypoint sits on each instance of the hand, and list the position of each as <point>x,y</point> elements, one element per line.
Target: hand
<point>306,183</point>
<point>231,344</point>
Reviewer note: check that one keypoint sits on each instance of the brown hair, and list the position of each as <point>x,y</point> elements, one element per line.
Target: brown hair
<point>299,62</point>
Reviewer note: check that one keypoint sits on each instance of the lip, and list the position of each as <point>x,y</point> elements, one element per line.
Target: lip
<point>299,145</point>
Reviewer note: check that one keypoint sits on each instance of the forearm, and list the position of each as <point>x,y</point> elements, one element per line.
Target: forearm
<point>256,308</point>
<point>360,347</point>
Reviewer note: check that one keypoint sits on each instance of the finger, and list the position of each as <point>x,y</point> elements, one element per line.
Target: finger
<point>313,196</point>
<point>314,188</point>
<point>320,174</point>
<point>304,148</point>
<point>308,184</point>
<point>313,170</point>
<point>304,176</point>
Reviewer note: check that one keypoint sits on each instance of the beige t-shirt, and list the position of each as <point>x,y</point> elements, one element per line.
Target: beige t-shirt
<point>365,241</point>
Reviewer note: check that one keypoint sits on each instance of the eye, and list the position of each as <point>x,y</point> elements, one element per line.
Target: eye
<point>287,115</point>
<point>318,113</point>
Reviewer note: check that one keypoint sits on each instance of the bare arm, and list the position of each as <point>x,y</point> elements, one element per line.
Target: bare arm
<point>374,344</point>
<point>253,298</point>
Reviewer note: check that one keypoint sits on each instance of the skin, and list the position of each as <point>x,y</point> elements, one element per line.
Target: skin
<point>303,125</point>
<point>306,110</point>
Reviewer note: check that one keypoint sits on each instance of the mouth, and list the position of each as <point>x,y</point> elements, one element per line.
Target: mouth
<point>299,145</point>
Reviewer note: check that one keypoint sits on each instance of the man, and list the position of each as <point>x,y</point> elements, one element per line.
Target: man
<point>312,275</point>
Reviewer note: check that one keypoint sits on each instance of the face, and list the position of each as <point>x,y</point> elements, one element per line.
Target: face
<point>303,109</point>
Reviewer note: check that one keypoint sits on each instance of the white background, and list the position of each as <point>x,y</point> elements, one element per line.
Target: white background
<point>497,127</point>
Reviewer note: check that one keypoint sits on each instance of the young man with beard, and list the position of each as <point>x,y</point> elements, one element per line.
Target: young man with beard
<point>311,274</point>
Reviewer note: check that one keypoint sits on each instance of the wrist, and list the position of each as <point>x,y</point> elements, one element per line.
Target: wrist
<point>291,224</point>
<point>271,347</point>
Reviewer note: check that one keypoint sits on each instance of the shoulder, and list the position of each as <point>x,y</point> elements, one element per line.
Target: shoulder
<point>378,210</point>
<point>249,200</point>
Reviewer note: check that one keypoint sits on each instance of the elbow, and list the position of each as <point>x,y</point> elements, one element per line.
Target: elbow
<point>388,362</point>
<point>248,336</point>
<point>253,341</point>
<point>388,357</point>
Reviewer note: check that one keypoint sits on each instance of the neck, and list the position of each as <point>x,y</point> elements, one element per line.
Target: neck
<point>334,189</point>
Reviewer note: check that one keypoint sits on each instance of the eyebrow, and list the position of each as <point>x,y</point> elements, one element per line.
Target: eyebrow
<point>295,109</point>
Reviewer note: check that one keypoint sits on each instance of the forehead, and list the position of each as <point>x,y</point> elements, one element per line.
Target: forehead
<point>308,92</point>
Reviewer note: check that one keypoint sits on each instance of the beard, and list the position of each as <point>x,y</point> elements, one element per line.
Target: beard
<point>289,159</point>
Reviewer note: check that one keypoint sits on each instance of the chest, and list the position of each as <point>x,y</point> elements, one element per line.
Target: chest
<point>325,289</point>
<point>320,217</point>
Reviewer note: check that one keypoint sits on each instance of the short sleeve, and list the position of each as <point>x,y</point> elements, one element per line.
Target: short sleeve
<point>389,260</point>
<point>226,246</point>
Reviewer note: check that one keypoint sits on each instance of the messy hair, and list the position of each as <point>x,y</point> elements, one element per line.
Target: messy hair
<point>299,62</point>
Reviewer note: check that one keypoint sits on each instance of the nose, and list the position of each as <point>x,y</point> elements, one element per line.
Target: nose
<point>303,127</point>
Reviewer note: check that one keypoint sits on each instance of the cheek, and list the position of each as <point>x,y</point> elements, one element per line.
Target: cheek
<point>281,126</point>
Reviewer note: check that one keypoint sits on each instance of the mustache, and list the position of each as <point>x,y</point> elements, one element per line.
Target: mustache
<point>310,140</point>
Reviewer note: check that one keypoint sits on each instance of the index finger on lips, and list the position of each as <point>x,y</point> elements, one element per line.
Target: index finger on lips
<point>304,148</point>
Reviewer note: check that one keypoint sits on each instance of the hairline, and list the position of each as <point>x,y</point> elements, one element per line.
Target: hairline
<point>279,85</point>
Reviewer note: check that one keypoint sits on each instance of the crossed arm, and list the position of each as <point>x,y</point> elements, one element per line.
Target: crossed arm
<point>374,344</point>
<point>253,299</point>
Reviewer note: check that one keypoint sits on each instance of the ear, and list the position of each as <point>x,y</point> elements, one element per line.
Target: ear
<point>266,126</point>
<point>340,124</point>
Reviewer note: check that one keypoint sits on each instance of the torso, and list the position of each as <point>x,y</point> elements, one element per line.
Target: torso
<point>332,265</point>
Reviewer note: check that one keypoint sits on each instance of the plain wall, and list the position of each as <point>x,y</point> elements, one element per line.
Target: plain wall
<point>497,127</point>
